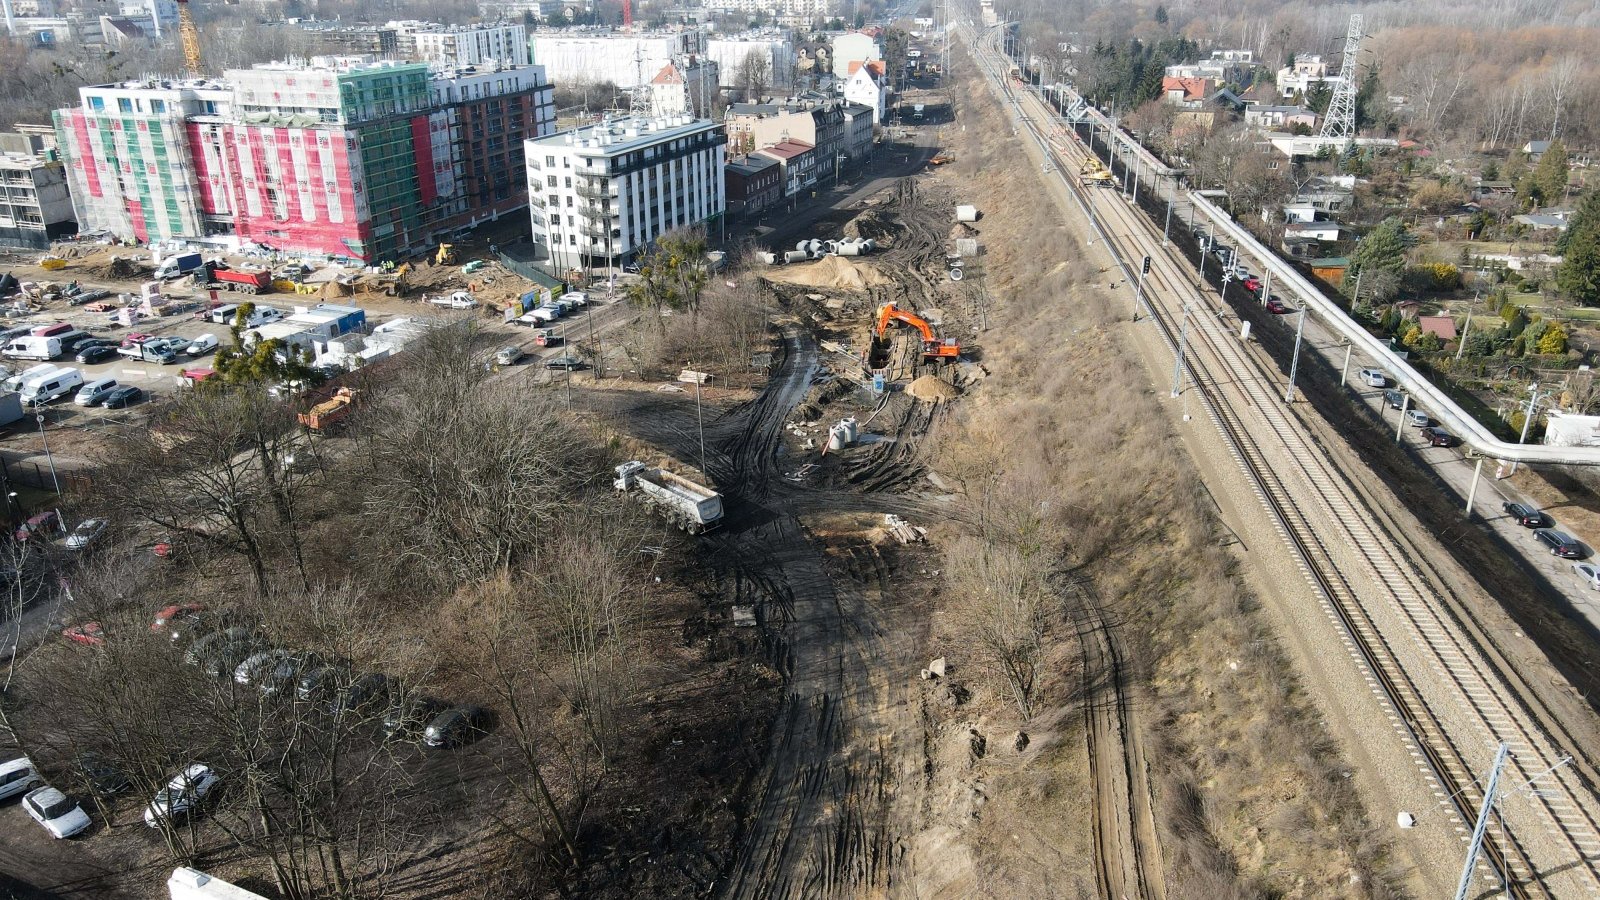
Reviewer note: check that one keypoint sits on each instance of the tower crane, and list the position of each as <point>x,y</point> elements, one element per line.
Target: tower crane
<point>627,13</point>
<point>190,36</point>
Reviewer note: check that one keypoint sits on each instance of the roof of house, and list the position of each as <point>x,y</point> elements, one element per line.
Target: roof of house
<point>1313,226</point>
<point>669,74</point>
<point>787,150</point>
<point>1536,146</point>
<point>1258,92</point>
<point>1443,326</point>
<point>748,166</point>
<point>1330,262</point>
<point>1539,220</point>
<point>1284,110</point>
<point>1193,88</point>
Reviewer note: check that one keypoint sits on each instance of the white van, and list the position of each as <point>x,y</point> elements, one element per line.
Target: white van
<point>33,347</point>
<point>1375,377</point>
<point>15,382</point>
<point>52,385</point>
<point>94,392</point>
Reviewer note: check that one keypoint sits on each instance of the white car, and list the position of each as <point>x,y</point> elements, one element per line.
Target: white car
<point>507,356</point>
<point>86,533</point>
<point>17,776</point>
<point>457,300</point>
<point>578,299</point>
<point>183,794</point>
<point>1375,377</point>
<point>201,345</point>
<point>59,814</point>
<point>544,314</point>
<point>1589,573</point>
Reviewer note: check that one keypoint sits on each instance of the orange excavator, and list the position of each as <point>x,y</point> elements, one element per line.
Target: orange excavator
<point>933,349</point>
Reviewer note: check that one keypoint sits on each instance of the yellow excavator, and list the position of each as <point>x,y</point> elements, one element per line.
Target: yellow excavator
<point>1094,174</point>
<point>446,255</point>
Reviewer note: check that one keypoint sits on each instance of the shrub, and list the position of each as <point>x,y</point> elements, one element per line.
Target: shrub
<point>1553,341</point>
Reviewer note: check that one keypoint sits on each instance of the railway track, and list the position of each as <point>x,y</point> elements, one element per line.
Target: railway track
<point>1447,699</point>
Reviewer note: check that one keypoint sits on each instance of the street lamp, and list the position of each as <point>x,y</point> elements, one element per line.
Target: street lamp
<point>48,458</point>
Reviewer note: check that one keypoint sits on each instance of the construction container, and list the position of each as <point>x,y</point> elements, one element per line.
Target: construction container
<point>966,213</point>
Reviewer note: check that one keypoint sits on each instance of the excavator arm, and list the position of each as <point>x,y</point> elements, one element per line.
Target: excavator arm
<point>932,347</point>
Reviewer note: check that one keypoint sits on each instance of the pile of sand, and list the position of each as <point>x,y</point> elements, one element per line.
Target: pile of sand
<point>930,388</point>
<point>839,272</point>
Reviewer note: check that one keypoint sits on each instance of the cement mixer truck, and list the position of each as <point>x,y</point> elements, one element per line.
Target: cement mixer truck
<point>689,506</point>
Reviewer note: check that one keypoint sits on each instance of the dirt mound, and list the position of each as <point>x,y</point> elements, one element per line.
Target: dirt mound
<point>872,224</point>
<point>830,272</point>
<point>930,388</point>
<point>962,230</point>
<point>107,265</point>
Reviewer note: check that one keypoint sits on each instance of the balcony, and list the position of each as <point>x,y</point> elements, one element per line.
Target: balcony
<point>590,189</point>
<point>599,230</point>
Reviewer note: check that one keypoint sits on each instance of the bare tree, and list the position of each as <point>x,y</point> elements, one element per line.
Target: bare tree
<point>1006,609</point>
<point>1560,81</point>
<point>755,75</point>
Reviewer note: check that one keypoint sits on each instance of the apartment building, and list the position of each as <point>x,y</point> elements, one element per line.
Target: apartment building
<point>604,192</point>
<point>626,59</point>
<point>353,40</point>
<point>35,207</point>
<point>463,45</point>
<point>342,157</point>
<point>840,131</point>
<point>773,48</point>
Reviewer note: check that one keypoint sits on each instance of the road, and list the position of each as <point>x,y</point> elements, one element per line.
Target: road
<point>1420,648</point>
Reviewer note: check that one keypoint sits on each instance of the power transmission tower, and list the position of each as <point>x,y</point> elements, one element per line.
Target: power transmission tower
<point>640,104</point>
<point>1340,121</point>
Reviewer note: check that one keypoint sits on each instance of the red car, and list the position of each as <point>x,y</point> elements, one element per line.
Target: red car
<point>1276,306</point>
<point>46,525</point>
<point>89,634</point>
<point>136,338</point>
<point>1252,284</point>
<point>177,617</point>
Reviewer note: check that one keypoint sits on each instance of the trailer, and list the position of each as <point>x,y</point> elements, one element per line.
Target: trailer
<point>692,507</point>
<point>245,281</point>
<point>329,412</point>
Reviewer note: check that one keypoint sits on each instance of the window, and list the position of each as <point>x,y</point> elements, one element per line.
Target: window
<point>158,106</point>
<point>550,161</point>
<point>124,105</point>
<point>551,179</point>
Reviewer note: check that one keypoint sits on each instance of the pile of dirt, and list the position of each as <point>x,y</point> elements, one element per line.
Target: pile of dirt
<point>107,265</point>
<point>962,230</point>
<point>931,388</point>
<point>838,272</point>
<point>872,224</point>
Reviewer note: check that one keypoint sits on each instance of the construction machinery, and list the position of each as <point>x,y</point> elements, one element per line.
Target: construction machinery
<point>446,255</point>
<point>940,160</point>
<point>689,506</point>
<point>330,411</point>
<point>190,36</point>
<point>1095,174</point>
<point>933,348</point>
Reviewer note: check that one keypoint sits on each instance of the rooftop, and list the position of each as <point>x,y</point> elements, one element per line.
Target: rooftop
<point>626,133</point>
<point>787,149</point>
<point>751,165</point>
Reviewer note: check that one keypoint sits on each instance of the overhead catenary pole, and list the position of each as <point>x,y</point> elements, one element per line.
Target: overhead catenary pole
<point>1294,364</point>
<point>1472,492</point>
<point>1177,362</point>
<point>1481,828</point>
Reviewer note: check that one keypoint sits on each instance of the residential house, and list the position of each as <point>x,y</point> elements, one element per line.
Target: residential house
<point>1321,231</point>
<point>1223,67</point>
<point>686,86</point>
<point>859,132</point>
<point>1490,189</point>
<point>1279,117</point>
<point>1185,93</point>
<point>1442,327</point>
<point>812,118</point>
<point>754,183</point>
<point>1535,149</point>
<point>1543,221</point>
<point>1306,72</point>
<point>799,162</point>
<point>852,47</point>
<point>1261,92</point>
<point>866,86</point>
<point>35,207</point>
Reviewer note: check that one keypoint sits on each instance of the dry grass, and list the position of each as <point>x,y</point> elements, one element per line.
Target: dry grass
<point>1249,786</point>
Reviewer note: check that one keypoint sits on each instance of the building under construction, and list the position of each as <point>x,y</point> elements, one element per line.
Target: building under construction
<point>342,157</point>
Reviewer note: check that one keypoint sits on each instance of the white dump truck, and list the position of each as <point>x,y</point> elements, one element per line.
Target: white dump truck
<point>692,507</point>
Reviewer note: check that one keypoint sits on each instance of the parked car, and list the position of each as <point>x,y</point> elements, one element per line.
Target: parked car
<point>227,660</point>
<point>457,726</point>
<point>1589,573</point>
<point>1417,418</point>
<point>18,776</point>
<point>87,532</point>
<point>207,647</point>
<point>507,356</point>
<point>96,353</point>
<point>1276,306</point>
<point>257,665</point>
<point>319,682</point>
<point>569,363</point>
<point>1528,516</point>
<point>95,392</point>
<point>184,794</point>
<point>89,634</point>
<point>1560,543</point>
<point>1395,399</point>
<point>363,693</point>
<point>1251,284</point>
<point>409,716</point>
<point>1438,437</point>
<point>59,814</point>
<point>178,618</point>
<point>101,776</point>
<point>124,397</point>
<point>1375,377</point>
<point>45,525</point>
<point>457,300</point>
<point>201,345</point>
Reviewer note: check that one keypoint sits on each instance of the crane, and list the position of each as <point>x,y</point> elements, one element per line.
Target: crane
<point>933,348</point>
<point>190,36</point>
<point>627,13</point>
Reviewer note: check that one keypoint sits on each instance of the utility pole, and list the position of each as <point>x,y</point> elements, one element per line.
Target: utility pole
<point>1481,828</point>
<point>699,420</point>
<point>51,459</point>
<point>1166,230</point>
<point>1527,421</point>
<point>1465,330</point>
<point>1177,364</point>
<point>1294,365</point>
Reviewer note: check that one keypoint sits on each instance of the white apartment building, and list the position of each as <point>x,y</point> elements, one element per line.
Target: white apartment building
<point>730,53</point>
<point>1306,71</point>
<point>464,45</point>
<point>35,207</point>
<point>805,9</point>
<point>604,192</point>
<point>625,59</point>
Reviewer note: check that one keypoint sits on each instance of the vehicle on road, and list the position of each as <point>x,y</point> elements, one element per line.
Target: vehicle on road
<point>1527,516</point>
<point>546,337</point>
<point>59,814</point>
<point>409,716</point>
<point>1438,437</point>
<point>201,345</point>
<point>184,794</point>
<point>457,300</point>
<point>690,506</point>
<point>124,397</point>
<point>1589,573</point>
<point>87,532</point>
<point>51,385</point>
<point>89,634</point>
<point>1276,307</point>
<point>32,347</point>
<point>568,363</point>
<point>177,266</point>
<point>1375,377</point>
<point>508,356</point>
<point>1395,399</point>
<point>150,350</point>
<point>1417,418</point>
<point>18,776</point>
<point>1560,543</point>
<point>457,726</point>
